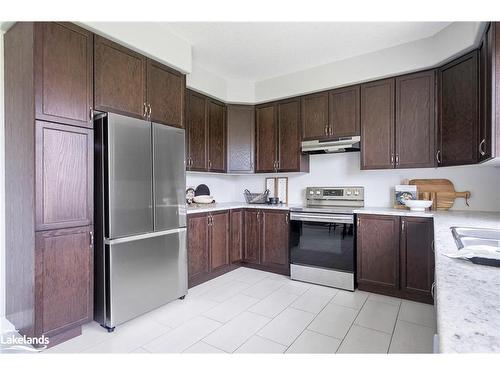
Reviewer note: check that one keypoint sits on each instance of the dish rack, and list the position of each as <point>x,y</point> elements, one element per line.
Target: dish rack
<point>256,198</point>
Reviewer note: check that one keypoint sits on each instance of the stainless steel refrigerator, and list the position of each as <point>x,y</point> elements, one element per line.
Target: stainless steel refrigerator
<point>140,257</point>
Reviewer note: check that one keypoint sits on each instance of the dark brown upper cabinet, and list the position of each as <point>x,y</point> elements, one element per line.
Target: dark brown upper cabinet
<point>487,85</point>
<point>63,73</point>
<point>240,138</point>
<point>216,119</point>
<point>344,119</point>
<point>415,122</point>
<point>266,153</point>
<point>458,112</point>
<point>64,280</point>
<point>206,133</point>
<point>378,253</point>
<point>278,138</point>
<point>64,176</point>
<point>165,92</point>
<point>315,116</point>
<point>120,79</point>
<point>377,124</point>
<point>290,157</point>
<point>196,129</point>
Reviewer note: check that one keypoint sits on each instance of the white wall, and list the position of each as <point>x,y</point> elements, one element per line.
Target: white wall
<point>2,187</point>
<point>421,54</point>
<point>343,169</point>
<point>143,37</point>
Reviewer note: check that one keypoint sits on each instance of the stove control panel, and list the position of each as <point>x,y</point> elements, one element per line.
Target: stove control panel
<point>352,193</point>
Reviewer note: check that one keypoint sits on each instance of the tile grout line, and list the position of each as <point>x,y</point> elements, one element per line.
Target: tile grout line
<point>394,328</point>
<point>353,321</point>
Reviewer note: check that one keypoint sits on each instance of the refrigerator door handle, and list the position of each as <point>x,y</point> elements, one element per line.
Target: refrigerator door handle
<point>115,241</point>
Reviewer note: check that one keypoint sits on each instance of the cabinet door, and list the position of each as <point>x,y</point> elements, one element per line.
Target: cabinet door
<point>196,132</point>
<point>236,241</point>
<point>486,74</point>
<point>417,258</point>
<point>219,240</point>
<point>165,94</point>
<point>64,176</point>
<point>458,111</point>
<point>275,233</point>
<point>64,279</point>
<point>290,158</point>
<point>315,116</point>
<point>377,124</point>
<point>240,138</point>
<point>198,247</point>
<point>252,236</point>
<point>415,120</point>
<point>216,137</point>
<point>120,79</point>
<point>378,254</point>
<point>63,73</point>
<point>344,111</point>
<point>266,138</point>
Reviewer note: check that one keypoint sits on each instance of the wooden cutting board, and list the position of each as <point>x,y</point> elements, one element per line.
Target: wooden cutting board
<point>444,190</point>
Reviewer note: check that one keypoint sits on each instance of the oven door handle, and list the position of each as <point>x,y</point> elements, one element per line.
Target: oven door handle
<point>341,219</point>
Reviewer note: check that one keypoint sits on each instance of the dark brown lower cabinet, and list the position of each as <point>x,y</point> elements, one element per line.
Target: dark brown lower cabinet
<point>208,246</point>
<point>236,240</point>
<point>266,240</point>
<point>395,257</point>
<point>63,280</point>
<point>378,254</point>
<point>417,258</point>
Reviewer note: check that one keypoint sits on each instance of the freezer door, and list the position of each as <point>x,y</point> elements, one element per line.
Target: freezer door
<point>129,176</point>
<point>169,177</point>
<point>145,272</point>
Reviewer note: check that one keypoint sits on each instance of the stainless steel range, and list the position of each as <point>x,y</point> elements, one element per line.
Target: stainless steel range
<point>322,236</point>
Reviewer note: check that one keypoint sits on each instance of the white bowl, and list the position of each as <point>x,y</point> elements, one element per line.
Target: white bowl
<point>417,205</point>
<point>204,199</point>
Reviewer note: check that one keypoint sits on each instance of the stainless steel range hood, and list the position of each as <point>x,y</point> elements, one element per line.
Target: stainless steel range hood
<point>341,144</point>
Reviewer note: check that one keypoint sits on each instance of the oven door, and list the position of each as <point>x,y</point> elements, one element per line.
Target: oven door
<point>322,240</point>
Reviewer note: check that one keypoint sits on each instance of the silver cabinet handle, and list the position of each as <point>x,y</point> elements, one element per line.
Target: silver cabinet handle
<point>397,160</point>
<point>91,238</point>
<point>331,129</point>
<point>438,156</point>
<point>91,113</point>
<point>209,164</point>
<point>402,225</point>
<point>432,247</point>
<point>433,287</point>
<point>144,110</point>
<point>481,151</point>
<point>392,159</point>
<point>326,129</point>
<point>149,110</point>
<point>286,218</point>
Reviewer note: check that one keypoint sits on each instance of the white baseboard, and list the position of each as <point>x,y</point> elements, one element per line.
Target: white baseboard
<point>5,325</point>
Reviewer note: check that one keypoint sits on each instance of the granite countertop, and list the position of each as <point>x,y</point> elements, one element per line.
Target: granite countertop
<point>233,205</point>
<point>467,294</point>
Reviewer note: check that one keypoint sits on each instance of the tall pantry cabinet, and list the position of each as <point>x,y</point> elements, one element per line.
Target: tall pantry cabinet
<point>49,178</point>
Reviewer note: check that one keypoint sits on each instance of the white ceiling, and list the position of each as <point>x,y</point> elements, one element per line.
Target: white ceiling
<point>258,50</point>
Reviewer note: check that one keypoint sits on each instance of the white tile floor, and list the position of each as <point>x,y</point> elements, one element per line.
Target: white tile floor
<point>251,311</point>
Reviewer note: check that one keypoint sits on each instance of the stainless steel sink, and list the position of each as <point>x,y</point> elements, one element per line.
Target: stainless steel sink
<point>493,234</point>
<point>476,236</point>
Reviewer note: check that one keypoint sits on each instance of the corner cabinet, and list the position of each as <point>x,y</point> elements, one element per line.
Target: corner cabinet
<point>395,256</point>
<point>278,134</point>
<point>206,133</point>
<point>240,138</point>
<point>458,112</point>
